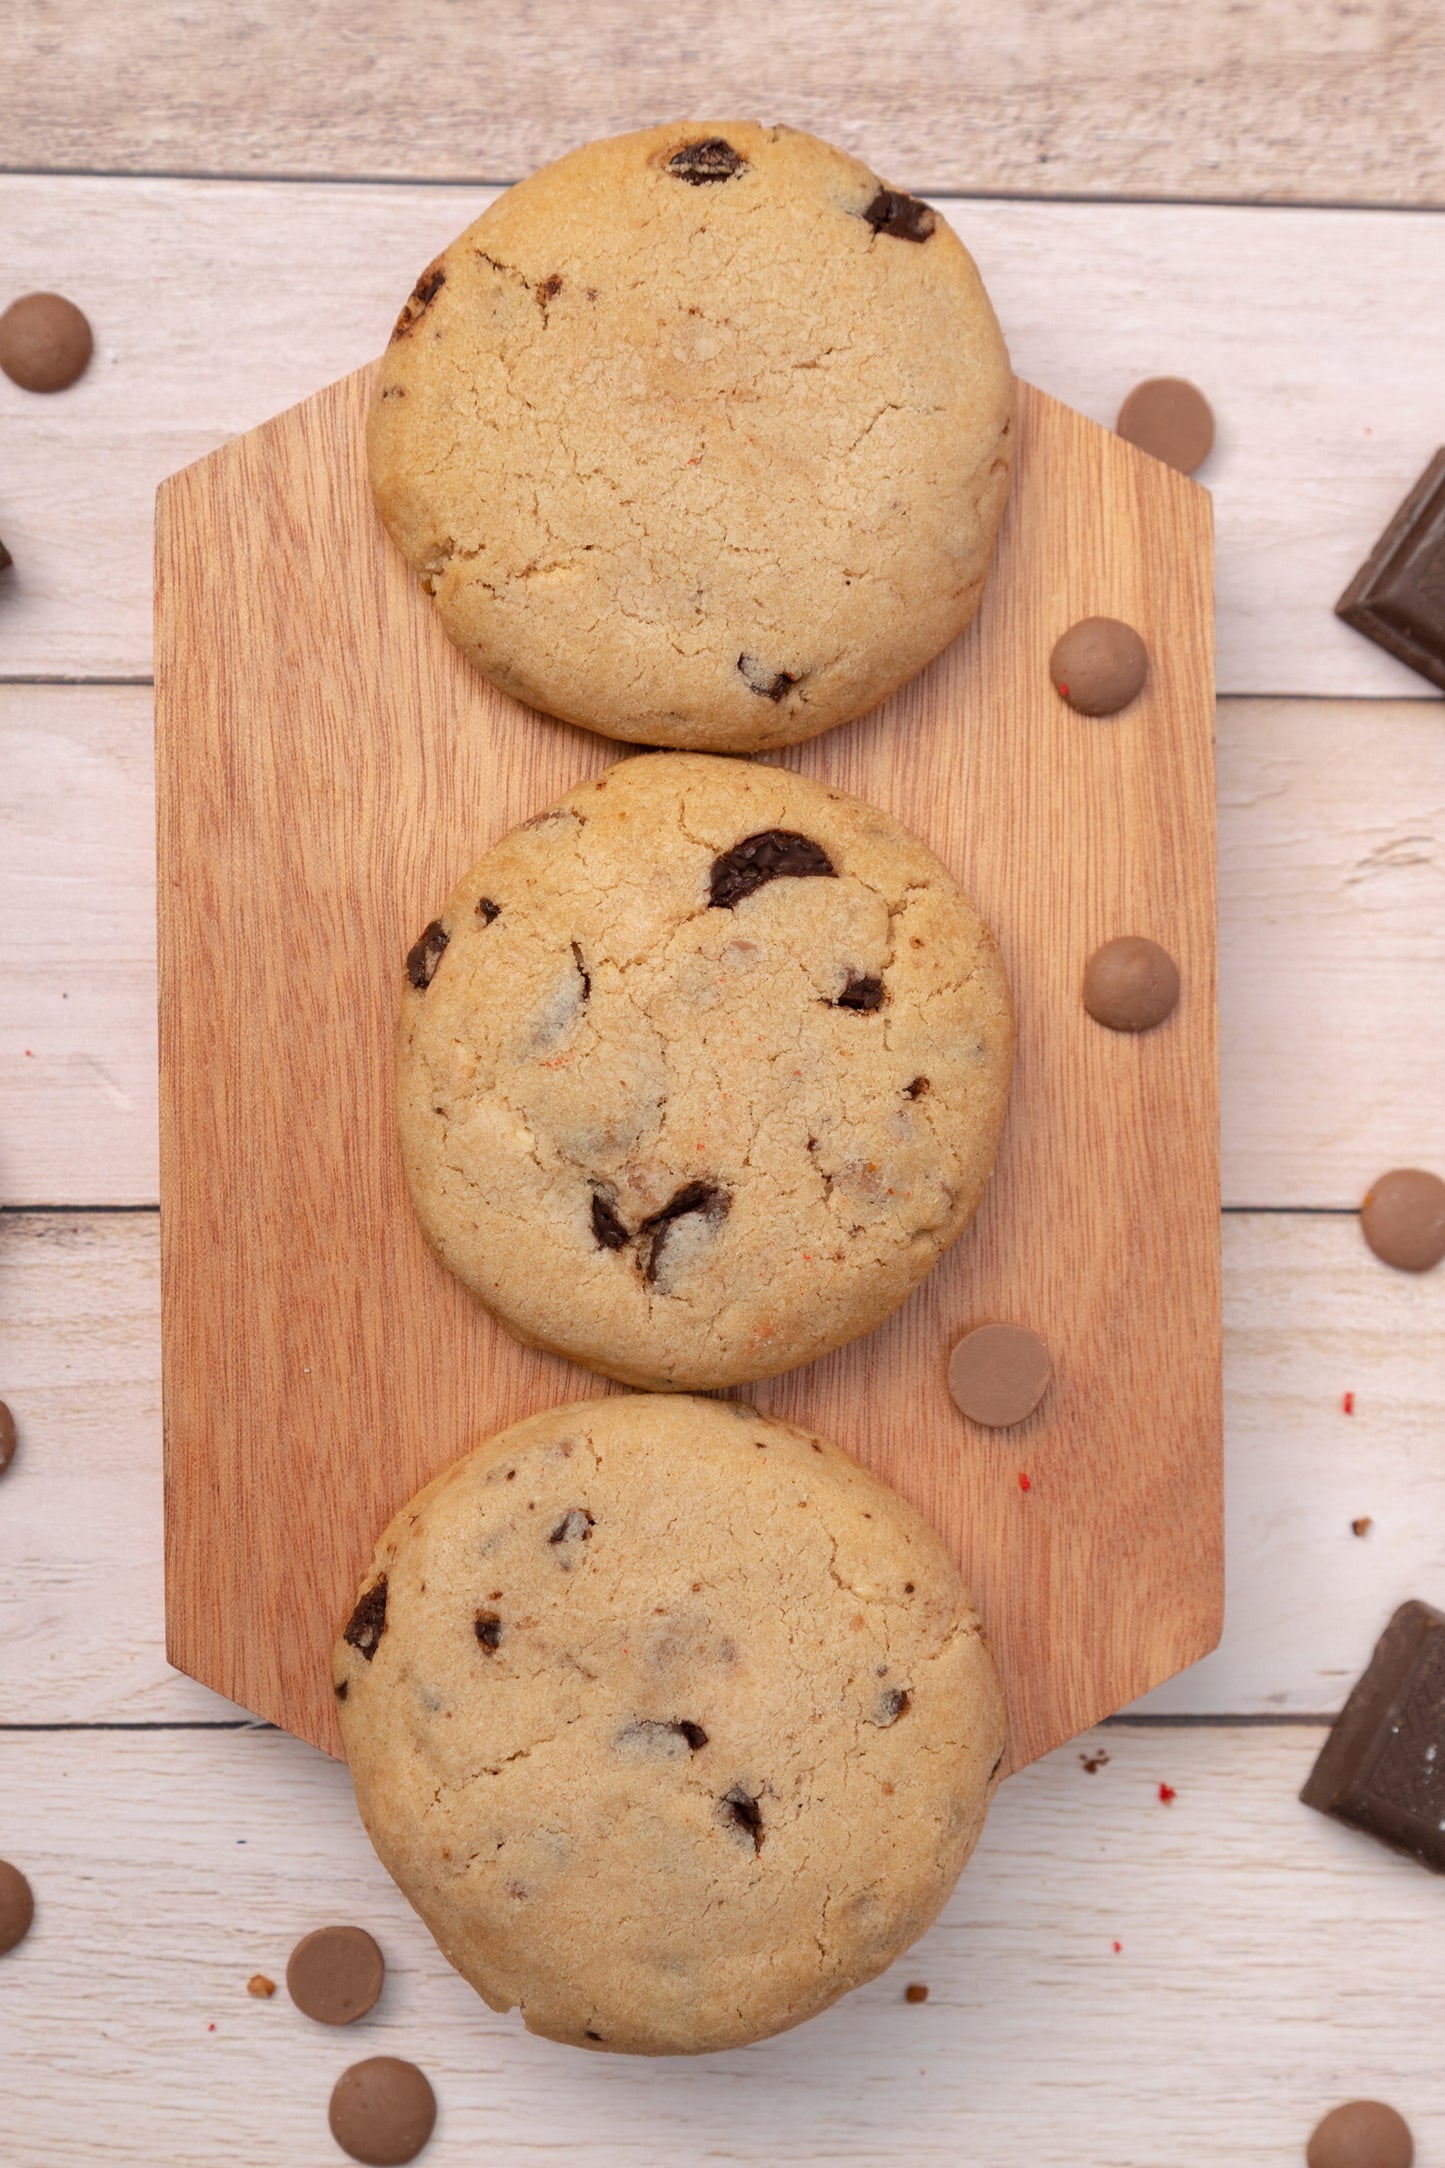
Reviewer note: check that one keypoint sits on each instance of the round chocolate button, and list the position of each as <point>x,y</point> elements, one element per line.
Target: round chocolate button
<point>1099,665</point>
<point>7,1437</point>
<point>45,342</point>
<point>382,2111</point>
<point>1362,2134</point>
<point>998,1374</point>
<point>335,1975</point>
<point>1131,984</point>
<point>1170,418</point>
<point>1403,1219</point>
<point>17,1906</point>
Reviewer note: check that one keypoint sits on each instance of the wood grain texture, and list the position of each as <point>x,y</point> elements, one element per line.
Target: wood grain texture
<point>1270,1964</point>
<point>327,766</point>
<point>1291,100</point>
<point>270,291</point>
<point>1331,946</point>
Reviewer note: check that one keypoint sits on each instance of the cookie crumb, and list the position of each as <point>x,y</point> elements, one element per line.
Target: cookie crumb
<point>916,1991</point>
<point>1363,1525</point>
<point>259,1986</point>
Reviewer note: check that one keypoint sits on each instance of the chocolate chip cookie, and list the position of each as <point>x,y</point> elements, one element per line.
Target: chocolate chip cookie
<point>673,1724</point>
<point>700,1071</point>
<point>698,437</point>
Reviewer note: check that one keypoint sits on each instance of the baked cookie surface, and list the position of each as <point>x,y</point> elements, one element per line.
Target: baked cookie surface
<point>672,1723</point>
<point>699,437</point>
<point>700,1071</point>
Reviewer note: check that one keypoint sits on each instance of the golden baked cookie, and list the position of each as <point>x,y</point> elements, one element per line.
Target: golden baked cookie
<point>700,1071</point>
<point>699,437</point>
<point>672,1723</point>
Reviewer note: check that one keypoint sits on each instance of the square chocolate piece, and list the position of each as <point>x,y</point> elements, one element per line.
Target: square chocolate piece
<point>1382,1769</point>
<point>1397,598</point>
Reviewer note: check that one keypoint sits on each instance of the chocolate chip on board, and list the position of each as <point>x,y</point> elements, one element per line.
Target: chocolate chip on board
<point>771,855</point>
<point>1131,984</point>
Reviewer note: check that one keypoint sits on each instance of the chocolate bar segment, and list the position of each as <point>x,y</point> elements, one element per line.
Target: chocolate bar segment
<point>1382,1769</point>
<point>1397,598</point>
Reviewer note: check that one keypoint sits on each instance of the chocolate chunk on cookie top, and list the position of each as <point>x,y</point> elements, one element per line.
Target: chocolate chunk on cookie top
<point>733,1744</point>
<point>699,437</point>
<point>710,1082</point>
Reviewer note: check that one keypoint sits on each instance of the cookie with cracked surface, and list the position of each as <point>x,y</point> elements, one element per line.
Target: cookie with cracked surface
<point>699,437</point>
<point>679,1724</point>
<point>700,1071</point>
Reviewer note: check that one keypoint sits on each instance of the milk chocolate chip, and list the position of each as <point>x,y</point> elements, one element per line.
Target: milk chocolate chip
<point>998,1374</point>
<point>7,1437</point>
<point>425,954</point>
<point>17,1906</point>
<point>382,2112</point>
<point>1170,418</point>
<point>1403,1219</point>
<point>903,216</point>
<point>45,342</point>
<point>1099,665</point>
<point>334,1975</point>
<point>1131,984</point>
<point>1361,2134</point>
<point>367,1623</point>
<point>772,855</point>
<point>711,160</point>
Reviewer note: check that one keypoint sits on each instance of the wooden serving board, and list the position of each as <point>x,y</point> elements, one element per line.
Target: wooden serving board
<point>328,765</point>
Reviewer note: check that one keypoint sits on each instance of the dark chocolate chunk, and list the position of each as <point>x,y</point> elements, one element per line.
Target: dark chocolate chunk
<point>903,216</point>
<point>419,300</point>
<point>694,1734</point>
<point>425,954</point>
<point>608,1228</point>
<point>1397,598</point>
<point>592,2036</point>
<point>487,910</point>
<point>861,994</point>
<point>711,160</point>
<point>1382,1769</point>
<point>489,1630</point>
<point>773,854</point>
<point>893,1702</point>
<point>743,1811</point>
<point>917,1088</point>
<point>367,1623</point>
<point>545,292</point>
<point>693,1197</point>
<point>772,684</point>
<point>582,972</point>
<point>575,1526</point>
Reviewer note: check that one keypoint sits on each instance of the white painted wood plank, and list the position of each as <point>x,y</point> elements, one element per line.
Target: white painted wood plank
<point>1270,1965</point>
<point>1309,1315</point>
<point>1317,335</point>
<point>1332,946</point>
<point>1131,97</point>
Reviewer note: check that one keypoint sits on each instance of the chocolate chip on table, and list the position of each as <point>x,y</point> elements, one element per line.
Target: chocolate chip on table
<point>1131,984</point>
<point>1170,418</point>
<point>773,854</point>
<point>1403,1219</point>
<point>367,1623</point>
<point>17,1907</point>
<point>7,1437</point>
<point>916,1991</point>
<point>418,301</point>
<point>334,1975</point>
<point>489,1629</point>
<point>382,2112</point>
<point>865,994</point>
<point>425,954</point>
<point>701,1197</point>
<point>772,684</point>
<point>606,1226</point>
<point>743,1811</point>
<point>1382,1768</point>
<point>902,216</point>
<point>714,159</point>
<point>998,1374</point>
<point>1361,2134</point>
<point>45,342</point>
<point>1099,665</point>
<point>487,910</point>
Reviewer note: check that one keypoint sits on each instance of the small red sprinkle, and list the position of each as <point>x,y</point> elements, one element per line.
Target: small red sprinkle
<point>28,1055</point>
<point>1118,1946</point>
<point>1349,1403</point>
<point>210,2028</point>
<point>1063,692</point>
<point>1167,1792</point>
<point>1024,1483</point>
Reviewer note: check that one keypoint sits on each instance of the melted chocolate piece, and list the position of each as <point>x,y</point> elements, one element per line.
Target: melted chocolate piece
<point>1382,1769</point>
<point>903,216</point>
<point>606,1226</point>
<point>575,1526</point>
<point>545,292</point>
<point>772,855</point>
<point>861,994</point>
<point>487,910</point>
<point>419,300</point>
<point>694,1734</point>
<point>918,1088</point>
<point>425,954</point>
<point>711,160</point>
<point>654,1737</point>
<point>739,1808</point>
<point>489,1630</point>
<point>582,972</point>
<point>772,684</point>
<point>367,1623</point>
<point>694,1197</point>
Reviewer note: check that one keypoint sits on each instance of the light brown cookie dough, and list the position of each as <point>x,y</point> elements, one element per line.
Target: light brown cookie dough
<point>673,1723</point>
<point>699,437</point>
<point>700,1071</point>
